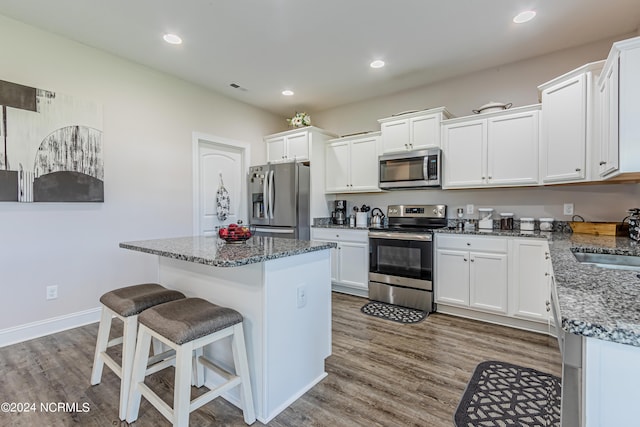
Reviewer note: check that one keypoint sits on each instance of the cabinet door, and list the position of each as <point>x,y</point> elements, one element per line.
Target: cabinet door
<point>425,132</point>
<point>529,288</point>
<point>276,149</point>
<point>488,281</point>
<point>353,264</point>
<point>512,156</point>
<point>452,277</point>
<point>364,164</point>
<point>464,154</point>
<point>564,131</point>
<point>395,136</point>
<point>608,94</point>
<point>298,146</point>
<point>337,167</point>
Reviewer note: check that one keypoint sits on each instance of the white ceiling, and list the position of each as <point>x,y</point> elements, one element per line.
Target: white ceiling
<point>322,49</point>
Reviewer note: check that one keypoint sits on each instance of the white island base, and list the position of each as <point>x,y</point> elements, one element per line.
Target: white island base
<point>286,304</point>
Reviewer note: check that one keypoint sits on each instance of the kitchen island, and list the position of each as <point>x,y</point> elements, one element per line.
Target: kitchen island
<point>282,287</point>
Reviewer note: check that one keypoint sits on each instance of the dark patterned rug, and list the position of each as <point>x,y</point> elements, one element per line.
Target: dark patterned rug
<point>502,394</point>
<point>394,312</point>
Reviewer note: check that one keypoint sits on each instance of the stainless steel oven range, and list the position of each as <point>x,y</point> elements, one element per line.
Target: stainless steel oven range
<point>401,256</point>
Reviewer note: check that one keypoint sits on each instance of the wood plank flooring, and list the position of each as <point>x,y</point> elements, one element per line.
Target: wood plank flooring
<point>381,373</point>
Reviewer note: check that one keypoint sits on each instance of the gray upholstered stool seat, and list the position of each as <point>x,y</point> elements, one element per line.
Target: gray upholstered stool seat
<point>187,319</point>
<point>187,326</point>
<point>135,299</point>
<point>125,304</point>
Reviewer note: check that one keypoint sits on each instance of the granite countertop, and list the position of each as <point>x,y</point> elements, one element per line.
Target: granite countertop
<point>216,252</point>
<point>594,301</point>
<point>496,232</point>
<point>342,227</point>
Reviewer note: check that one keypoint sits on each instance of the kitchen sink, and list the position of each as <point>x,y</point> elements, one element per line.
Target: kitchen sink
<point>620,262</point>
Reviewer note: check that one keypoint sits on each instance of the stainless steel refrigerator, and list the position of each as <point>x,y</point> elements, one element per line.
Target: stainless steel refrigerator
<point>279,200</point>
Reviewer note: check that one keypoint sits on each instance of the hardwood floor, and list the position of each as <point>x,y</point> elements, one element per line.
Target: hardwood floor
<point>381,373</point>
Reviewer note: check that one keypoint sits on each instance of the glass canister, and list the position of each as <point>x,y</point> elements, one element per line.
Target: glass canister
<point>526,224</point>
<point>506,221</point>
<point>546,224</point>
<point>634,224</point>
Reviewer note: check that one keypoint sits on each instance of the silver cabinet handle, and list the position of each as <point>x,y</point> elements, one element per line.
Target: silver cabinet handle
<point>603,163</point>
<point>468,244</point>
<point>473,260</point>
<point>578,169</point>
<point>465,260</point>
<point>546,273</point>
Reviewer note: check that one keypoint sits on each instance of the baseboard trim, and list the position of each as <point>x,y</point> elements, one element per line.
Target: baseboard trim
<point>50,326</point>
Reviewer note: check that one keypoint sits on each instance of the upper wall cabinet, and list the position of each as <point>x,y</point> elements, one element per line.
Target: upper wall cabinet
<point>619,98</point>
<point>568,125</point>
<point>492,150</point>
<point>352,164</point>
<point>412,131</point>
<point>288,146</point>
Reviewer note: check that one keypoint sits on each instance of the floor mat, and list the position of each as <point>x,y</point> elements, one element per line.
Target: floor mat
<point>394,312</point>
<point>502,394</point>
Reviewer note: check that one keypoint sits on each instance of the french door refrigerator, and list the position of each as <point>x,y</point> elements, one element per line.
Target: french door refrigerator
<point>279,200</point>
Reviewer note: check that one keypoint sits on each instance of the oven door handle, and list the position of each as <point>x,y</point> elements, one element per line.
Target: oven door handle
<point>400,236</point>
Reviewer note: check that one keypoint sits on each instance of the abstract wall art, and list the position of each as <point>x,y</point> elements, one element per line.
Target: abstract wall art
<point>50,146</point>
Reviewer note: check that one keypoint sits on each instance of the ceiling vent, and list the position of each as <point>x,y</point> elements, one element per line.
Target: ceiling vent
<point>237,86</point>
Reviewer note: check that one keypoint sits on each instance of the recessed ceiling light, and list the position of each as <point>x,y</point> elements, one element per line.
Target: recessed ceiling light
<point>525,16</point>
<point>287,92</point>
<point>172,39</point>
<point>378,63</point>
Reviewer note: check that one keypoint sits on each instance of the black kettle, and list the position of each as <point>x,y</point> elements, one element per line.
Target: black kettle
<point>377,219</point>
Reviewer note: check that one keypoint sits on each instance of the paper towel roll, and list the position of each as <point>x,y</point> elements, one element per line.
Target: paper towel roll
<point>361,219</point>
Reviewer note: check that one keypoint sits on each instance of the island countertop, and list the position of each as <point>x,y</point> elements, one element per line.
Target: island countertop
<point>210,250</point>
<point>594,301</point>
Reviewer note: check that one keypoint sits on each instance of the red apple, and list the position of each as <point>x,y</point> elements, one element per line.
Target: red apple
<point>223,232</point>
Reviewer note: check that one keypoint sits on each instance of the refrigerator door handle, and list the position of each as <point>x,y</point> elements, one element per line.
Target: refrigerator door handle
<point>265,185</point>
<point>271,194</point>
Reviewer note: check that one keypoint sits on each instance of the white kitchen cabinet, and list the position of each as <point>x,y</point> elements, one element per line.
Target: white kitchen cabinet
<point>412,131</point>
<point>349,261</point>
<point>304,144</point>
<point>529,284</point>
<point>472,272</point>
<point>619,89</point>
<point>292,146</point>
<point>492,150</point>
<point>352,164</point>
<point>568,125</point>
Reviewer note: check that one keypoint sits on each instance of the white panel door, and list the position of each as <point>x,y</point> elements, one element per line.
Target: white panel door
<point>298,146</point>
<point>465,154</point>
<point>216,158</point>
<point>425,132</point>
<point>395,136</point>
<point>488,281</point>
<point>564,131</point>
<point>452,277</point>
<point>609,143</point>
<point>276,151</point>
<point>512,156</point>
<point>337,167</point>
<point>364,164</point>
<point>529,288</point>
<point>353,264</point>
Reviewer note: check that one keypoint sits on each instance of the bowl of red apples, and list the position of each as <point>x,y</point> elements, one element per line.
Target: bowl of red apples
<point>235,233</point>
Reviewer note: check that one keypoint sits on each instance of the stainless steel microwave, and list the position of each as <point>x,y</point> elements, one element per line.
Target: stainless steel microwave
<point>413,169</point>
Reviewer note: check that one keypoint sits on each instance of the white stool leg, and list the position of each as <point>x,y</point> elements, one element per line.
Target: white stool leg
<point>128,350</point>
<point>138,373</point>
<point>198,368</point>
<point>242,370</point>
<point>182,390</point>
<point>101,345</point>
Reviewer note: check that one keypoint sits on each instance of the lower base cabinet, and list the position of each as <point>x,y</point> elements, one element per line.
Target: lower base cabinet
<point>498,279</point>
<point>349,261</point>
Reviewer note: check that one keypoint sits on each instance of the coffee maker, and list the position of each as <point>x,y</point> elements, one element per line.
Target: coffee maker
<point>339,214</point>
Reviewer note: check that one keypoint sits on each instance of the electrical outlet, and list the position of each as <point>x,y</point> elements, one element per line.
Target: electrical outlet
<point>470,209</point>
<point>52,292</point>
<point>568,208</point>
<point>302,296</point>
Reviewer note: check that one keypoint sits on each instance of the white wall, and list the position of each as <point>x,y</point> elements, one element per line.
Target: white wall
<point>516,83</point>
<point>149,118</point>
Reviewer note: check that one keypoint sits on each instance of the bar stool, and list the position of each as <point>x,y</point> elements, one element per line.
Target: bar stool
<point>186,326</point>
<point>126,304</point>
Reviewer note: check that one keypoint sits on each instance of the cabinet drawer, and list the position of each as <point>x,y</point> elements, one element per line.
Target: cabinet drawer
<point>472,243</point>
<point>340,234</point>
